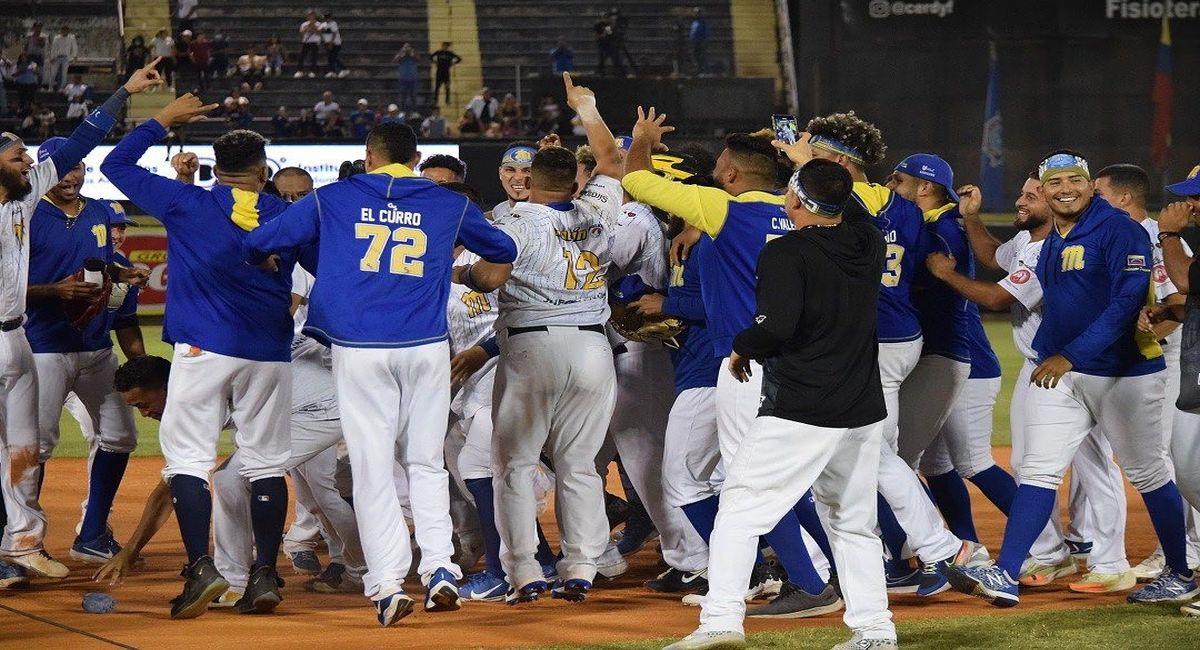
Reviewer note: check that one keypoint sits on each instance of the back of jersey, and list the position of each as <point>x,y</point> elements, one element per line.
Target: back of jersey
<point>563,255</point>
<point>903,230</point>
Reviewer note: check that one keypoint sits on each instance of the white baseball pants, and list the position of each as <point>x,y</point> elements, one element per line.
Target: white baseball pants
<point>692,469</point>
<point>89,375</point>
<point>965,441</point>
<point>19,468</point>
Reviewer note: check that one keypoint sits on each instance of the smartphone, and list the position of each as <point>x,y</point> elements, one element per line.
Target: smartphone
<point>785,128</point>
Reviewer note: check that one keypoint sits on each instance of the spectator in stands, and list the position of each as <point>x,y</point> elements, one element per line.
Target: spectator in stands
<point>484,107</point>
<point>239,115</point>
<point>183,60</point>
<point>163,46</point>
<point>512,118</point>
<point>275,56</point>
<point>327,105</point>
<point>307,126</point>
<point>25,78</point>
<point>64,49</point>
<point>77,109</point>
<point>200,54</point>
<point>362,120</point>
<point>562,58</point>
<point>251,68</point>
<point>220,56</point>
<point>334,126</point>
<point>468,124</point>
<point>331,40</point>
<point>443,59</point>
<point>35,46</point>
<point>393,115</point>
<point>408,74</point>
<point>135,55</point>
<point>698,36</point>
<point>186,13</point>
<point>606,46</point>
<point>434,126</point>
<point>6,75</point>
<point>281,123</point>
<point>44,115</point>
<point>77,90</point>
<point>620,26</point>
<point>441,168</point>
<point>310,43</point>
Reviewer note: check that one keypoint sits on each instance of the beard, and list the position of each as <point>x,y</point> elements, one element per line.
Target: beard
<point>15,184</point>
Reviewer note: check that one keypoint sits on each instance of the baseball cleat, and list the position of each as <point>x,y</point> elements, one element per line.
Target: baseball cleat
<point>484,586</point>
<point>1151,567</point>
<point>392,608</point>
<point>637,531</point>
<point>226,600</point>
<point>39,563</point>
<point>611,565</point>
<point>988,582</point>
<point>765,581</point>
<point>1191,609</point>
<point>203,583</point>
<point>1170,587</point>
<point>527,593</point>
<point>550,571</point>
<point>674,581</point>
<point>1038,574</point>
<point>717,640</point>
<point>1079,550</point>
<point>901,577</point>
<point>334,579</point>
<point>574,590</point>
<point>1094,582</point>
<point>933,574</point>
<point>12,575</point>
<point>794,602</point>
<point>305,562</point>
<point>441,595</point>
<point>858,642</point>
<point>262,592</point>
<point>96,551</point>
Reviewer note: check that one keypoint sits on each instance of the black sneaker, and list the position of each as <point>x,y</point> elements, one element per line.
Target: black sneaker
<point>203,583</point>
<point>674,581</point>
<point>765,581</point>
<point>794,602</point>
<point>334,579</point>
<point>262,592</point>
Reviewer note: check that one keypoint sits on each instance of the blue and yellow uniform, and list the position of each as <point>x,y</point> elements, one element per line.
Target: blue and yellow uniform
<point>214,300</point>
<point>942,311</point>
<point>739,227</point>
<point>1095,281</point>
<point>386,248</point>
<point>695,364</point>
<point>58,247</point>
<point>902,225</point>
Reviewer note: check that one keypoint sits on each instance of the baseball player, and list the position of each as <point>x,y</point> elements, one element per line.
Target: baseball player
<point>514,177</point>
<point>1094,369</point>
<point>442,168</point>
<point>820,422</point>
<point>22,184</point>
<point>854,143</point>
<point>68,324</point>
<point>1098,477</point>
<point>1126,187</point>
<point>739,216</point>
<point>380,301</point>
<point>232,334</point>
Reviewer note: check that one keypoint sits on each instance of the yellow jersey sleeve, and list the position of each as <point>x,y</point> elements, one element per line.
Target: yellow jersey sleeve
<point>703,207</point>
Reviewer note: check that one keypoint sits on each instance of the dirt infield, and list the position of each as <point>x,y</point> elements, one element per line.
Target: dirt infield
<point>618,611</point>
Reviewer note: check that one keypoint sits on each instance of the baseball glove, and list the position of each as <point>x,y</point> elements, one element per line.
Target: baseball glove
<point>81,312</point>
<point>636,326</point>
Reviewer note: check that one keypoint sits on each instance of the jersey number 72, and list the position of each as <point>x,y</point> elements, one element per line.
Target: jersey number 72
<point>410,245</point>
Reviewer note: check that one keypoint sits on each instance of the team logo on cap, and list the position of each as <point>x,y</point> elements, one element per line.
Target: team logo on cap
<point>522,156</point>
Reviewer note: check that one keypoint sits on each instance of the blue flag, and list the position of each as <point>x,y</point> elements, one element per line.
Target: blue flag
<point>991,151</point>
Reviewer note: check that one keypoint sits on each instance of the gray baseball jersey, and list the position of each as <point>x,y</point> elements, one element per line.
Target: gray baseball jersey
<point>14,240</point>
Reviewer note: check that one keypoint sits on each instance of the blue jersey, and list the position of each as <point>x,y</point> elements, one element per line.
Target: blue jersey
<point>385,251</point>
<point>904,233</point>
<point>695,364</point>
<point>214,300</point>
<point>942,311</point>
<point>58,248</point>
<point>984,364</point>
<point>1094,282</point>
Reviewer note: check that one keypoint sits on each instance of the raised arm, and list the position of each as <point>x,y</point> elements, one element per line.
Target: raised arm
<point>583,101</point>
<point>983,243</point>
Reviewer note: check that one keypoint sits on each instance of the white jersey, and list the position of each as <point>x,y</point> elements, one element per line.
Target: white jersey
<point>639,247</point>
<point>1019,256</point>
<point>472,319</point>
<point>1163,286</point>
<point>502,209</point>
<point>559,276</point>
<point>14,240</point>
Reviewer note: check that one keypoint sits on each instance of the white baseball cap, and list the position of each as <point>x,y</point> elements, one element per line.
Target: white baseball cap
<point>362,100</point>
<point>393,107</point>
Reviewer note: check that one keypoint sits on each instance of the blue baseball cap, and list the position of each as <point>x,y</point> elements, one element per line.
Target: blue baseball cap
<point>1189,187</point>
<point>929,167</point>
<point>47,148</point>
<point>119,218</point>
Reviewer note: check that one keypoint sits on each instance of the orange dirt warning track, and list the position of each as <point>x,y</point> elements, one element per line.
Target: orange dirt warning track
<point>618,611</point>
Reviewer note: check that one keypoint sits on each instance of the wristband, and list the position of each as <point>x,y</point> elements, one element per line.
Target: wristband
<point>491,346</point>
<point>1168,234</point>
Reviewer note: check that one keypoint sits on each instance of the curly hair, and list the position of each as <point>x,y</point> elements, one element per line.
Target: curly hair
<point>142,372</point>
<point>585,157</point>
<point>239,151</point>
<point>852,131</point>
